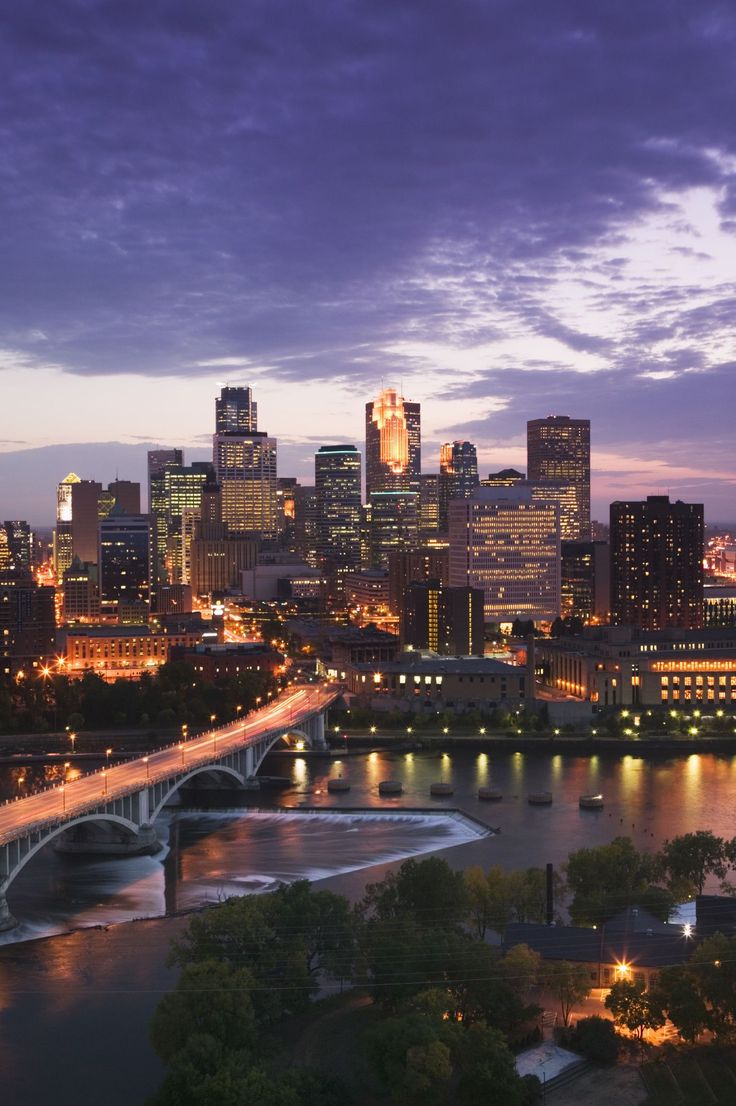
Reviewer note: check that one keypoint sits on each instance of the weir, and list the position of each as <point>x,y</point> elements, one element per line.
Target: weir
<point>111,812</point>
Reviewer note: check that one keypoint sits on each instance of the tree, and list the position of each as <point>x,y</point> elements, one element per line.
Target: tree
<point>429,891</point>
<point>595,1038</point>
<point>488,1072</point>
<point>521,967</point>
<point>607,879</point>
<point>679,995</point>
<point>633,1007</point>
<point>568,983</point>
<point>411,1056</point>
<point>689,859</point>
<point>210,998</point>
<point>714,967</point>
<point>489,899</point>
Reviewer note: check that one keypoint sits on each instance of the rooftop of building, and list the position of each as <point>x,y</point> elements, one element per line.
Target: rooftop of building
<point>424,662</point>
<point>678,637</point>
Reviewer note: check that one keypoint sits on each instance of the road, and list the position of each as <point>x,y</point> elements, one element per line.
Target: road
<point>88,791</point>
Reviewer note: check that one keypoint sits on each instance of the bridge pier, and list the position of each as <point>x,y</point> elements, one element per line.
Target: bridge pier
<point>7,921</point>
<point>317,732</point>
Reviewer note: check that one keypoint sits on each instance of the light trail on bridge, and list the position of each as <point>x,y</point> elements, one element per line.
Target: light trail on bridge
<point>67,800</point>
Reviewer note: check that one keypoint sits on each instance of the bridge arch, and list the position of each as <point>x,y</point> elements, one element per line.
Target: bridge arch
<point>179,781</point>
<point>56,831</point>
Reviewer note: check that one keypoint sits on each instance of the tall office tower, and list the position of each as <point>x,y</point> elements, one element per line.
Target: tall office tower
<point>509,545</point>
<point>429,504</point>
<point>393,450</point>
<point>183,486</point>
<point>81,593</point>
<point>124,561</point>
<point>19,543</point>
<point>159,461</point>
<point>217,557</point>
<point>245,469</point>
<point>6,561</point>
<point>394,523</point>
<point>27,623</point>
<point>504,478</point>
<point>190,516</point>
<point>286,499</point>
<point>236,412</point>
<point>305,523</point>
<point>76,522</point>
<point>415,566</point>
<point>558,453</point>
<point>337,488</point>
<point>657,563</point>
<point>586,580</point>
<point>458,475</point>
<point>127,495</point>
<point>443,619</point>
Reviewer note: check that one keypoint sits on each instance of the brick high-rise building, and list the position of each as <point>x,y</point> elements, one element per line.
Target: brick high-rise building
<point>444,619</point>
<point>657,563</point>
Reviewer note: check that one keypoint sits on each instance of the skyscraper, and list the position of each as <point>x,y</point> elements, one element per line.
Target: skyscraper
<point>217,557</point>
<point>124,561</point>
<point>236,412</point>
<point>337,487</point>
<point>127,495</point>
<point>183,486</point>
<point>393,469</point>
<point>509,545</point>
<point>245,469</point>
<point>159,461</point>
<point>458,474</point>
<point>19,543</point>
<point>558,456</point>
<point>77,510</point>
<point>393,451</point>
<point>657,563</point>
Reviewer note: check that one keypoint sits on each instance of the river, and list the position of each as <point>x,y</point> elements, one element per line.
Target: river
<point>82,1000</point>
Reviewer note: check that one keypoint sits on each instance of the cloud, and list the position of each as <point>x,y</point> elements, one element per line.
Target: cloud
<point>512,208</point>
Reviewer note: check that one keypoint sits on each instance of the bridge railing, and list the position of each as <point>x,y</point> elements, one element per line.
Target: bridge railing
<point>155,775</point>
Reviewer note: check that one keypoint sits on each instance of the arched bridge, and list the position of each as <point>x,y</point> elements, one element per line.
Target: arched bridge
<point>112,811</point>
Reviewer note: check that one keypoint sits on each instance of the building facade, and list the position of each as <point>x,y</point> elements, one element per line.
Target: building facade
<point>337,481</point>
<point>558,454</point>
<point>458,475</point>
<point>508,545</point>
<point>586,580</point>
<point>657,563</point>
<point>448,621</point>
<point>245,469</point>
<point>124,561</point>
<point>236,411</point>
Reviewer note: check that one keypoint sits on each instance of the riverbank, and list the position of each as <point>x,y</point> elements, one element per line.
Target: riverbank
<point>586,743</point>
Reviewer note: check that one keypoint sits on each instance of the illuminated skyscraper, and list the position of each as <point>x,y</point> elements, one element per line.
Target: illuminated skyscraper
<point>19,543</point>
<point>393,451</point>
<point>657,564</point>
<point>393,469</point>
<point>77,511</point>
<point>504,542</point>
<point>558,457</point>
<point>245,469</point>
<point>337,487</point>
<point>236,412</point>
<point>429,504</point>
<point>159,461</point>
<point>458,475</point>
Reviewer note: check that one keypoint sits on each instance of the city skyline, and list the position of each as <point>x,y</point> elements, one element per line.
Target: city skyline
<point>336,198</point>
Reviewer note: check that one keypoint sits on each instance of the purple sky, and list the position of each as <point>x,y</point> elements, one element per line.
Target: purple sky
<point>513,208</point>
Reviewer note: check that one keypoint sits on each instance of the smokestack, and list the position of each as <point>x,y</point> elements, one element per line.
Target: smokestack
<point>550,897</point>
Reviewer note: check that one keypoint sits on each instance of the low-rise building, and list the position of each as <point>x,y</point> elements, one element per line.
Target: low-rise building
<point>625,666</point>
<point>426,681</point>
<point>218,662</point>
<point>116,652</point>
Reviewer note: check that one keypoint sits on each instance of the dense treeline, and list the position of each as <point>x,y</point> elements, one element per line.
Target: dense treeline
<point>446,1007</point>
<point>171,696</point>
<point>446,1004</point>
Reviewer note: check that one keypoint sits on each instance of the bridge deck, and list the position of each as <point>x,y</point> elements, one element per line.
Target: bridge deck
<point>95,789</point>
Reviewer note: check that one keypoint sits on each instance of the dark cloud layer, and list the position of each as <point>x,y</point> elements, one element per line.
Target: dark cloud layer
<point>306,184</point>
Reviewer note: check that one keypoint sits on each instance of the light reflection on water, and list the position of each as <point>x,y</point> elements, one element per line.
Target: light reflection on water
<point>650,800</point>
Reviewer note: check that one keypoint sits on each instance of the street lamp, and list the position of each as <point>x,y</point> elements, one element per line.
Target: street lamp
<point>63,798</point>
<point>104,781</point>
<point>107,756</point>
<point>181,750</point>
<point>148,774</point>
<point>72,738</point>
